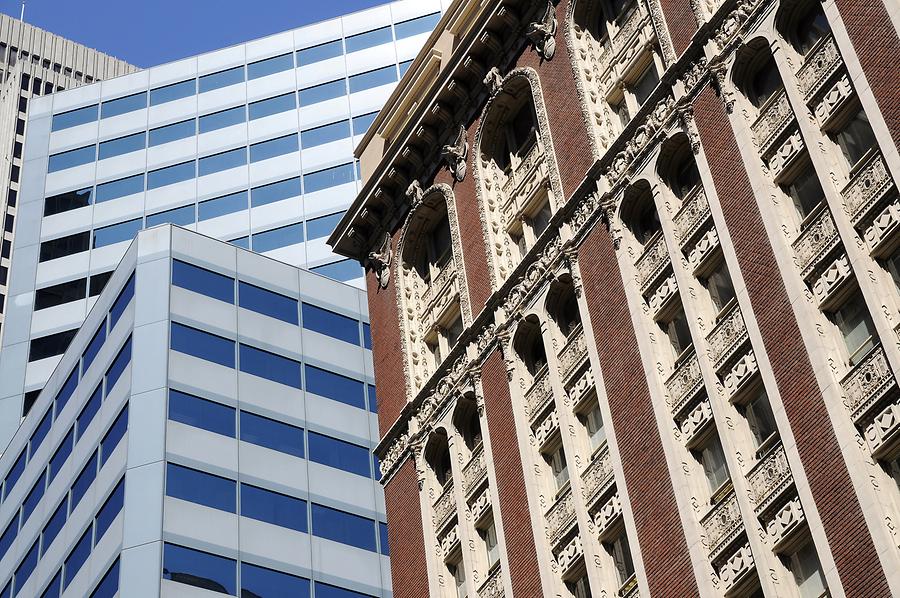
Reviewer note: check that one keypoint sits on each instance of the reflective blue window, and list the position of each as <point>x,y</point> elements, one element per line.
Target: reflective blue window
<point>32,498</point>
<point>338,454</point>
<point>270,366</point>
<point>108,512</point>
<point>323,92</point>
<point>278,238</point>
<point>322,226</point>
<point>224,161</point>
<point>119,188</point>
<point>89,410</point>
<point>325,134</point>
<point>15,472</point>
<point>121,303</point>
<point>202,344</point>
<point>269,66</point>
<point>308,56</point>
<point>9,534</point>
<point>122,145</point>
<point>272,434</point>
<point>220,206</point>
<point>225,118</point>
<point>342,270</point>
<point>60,456</point>
<point>361,41</point>
<point>73,118</point>
<point>268,303</point>
<point>271,106</point>
<point>173,92</point>
<point>274,147</point>
<point>241,242</point>
<point>376,468</point>
<point>200,413</point>
<point>72,158</point>
<point>324,590</point>
<point>83,481</point>
<point>343,527</point>
<point>26,567</point>
<point>416,26</point>
<point>222,79</point>
<point>367,336</point>
<point>266,583</point>
<point>330,177</point>
<point>123,105</point>
<point>383,537</point>
<point>54,587</point>
<point>203,281</point>
<point>199,569</point>
<point>173,132</point>
<point>183,216</point>
<point>274,508</point>
<point>118,366</point>
<point>113,436</point>
<point>117,233</point>
<point>109,585</point>
<point>373,400</point>
<point>266,194</point>
<point>376,78</point>
<point>171,175</point>
<point>87,358</point>
<point>68,200</point>
<point>336,387</point>
<point>201,488</point>
<point>54,524</point>
<point>40,432</point>
<point>331,324</point>
<point>362,123</point>
<point>404,66</point>
<point>77,557</point>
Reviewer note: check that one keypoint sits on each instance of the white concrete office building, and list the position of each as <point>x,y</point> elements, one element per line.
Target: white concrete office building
<point>252,144</point>
<point>208,430</point>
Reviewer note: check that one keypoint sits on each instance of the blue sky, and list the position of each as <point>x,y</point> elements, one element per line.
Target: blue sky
<point>150,32</point>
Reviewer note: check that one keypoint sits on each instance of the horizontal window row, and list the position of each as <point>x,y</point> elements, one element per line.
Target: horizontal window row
<point>72,290</point>
<point>342,270</point>
<point>272,434</point>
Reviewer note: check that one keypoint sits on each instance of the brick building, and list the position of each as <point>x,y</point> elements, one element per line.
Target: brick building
<point>633,284</point>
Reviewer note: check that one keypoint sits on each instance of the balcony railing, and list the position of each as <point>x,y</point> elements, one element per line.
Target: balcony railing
<point>652,262</point>
<point>444,506</point>
<point>785,522</point>
<point>775,116</point>
<point>607,516</point>
<point>737,568</point>
<point>493,585</point>
<point>475,471</point>
<point>728,335</point>
<point>883,227</point>
<point>867,187</point>
<point>570,555</point>
<point>630,588</point>
<point>722,525</point>
<point>693,213</point>
<point>573,353</point>
<point>769,479</point>
<point>684,383</point>
<point>560,516</point>
<point>822,61</point>
<point>539,395</point>
<point>439,284</point>
<point>815,242</point>
<point>883,434</point>
<point>867,383</point>
<point>597,477</point>
<point>523,180</point>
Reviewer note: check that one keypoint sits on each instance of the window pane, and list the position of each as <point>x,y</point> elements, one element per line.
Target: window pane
<point>346,528</point>
<point>322,226</point>
<point>56,522</point>
<point>60,456</point>
<point>276,64</point>
<point>266,194</point>
<point>335,387</point>
<point>371,79</point>
<point>173,132</point>
<point>331,324</point>
<point>203,281</point>
<point>72,158</point>
<point>362,123</point>
<point>220,206</point>
<point>70,200</point>
<point>26,566</point>
<point>325,134</point>
<point>63,246</point>
<point>73,118</point>
<point>171,175</point>
<point>66,392</point>
<point>9,534</point>
<point>32,499</point>
<point>121,303</point>
<point>201,488</point>
<point>383,538</point>
<point>90,410</point>
<point>268,303</point>
<point>176,91</point>
<point>50,345</point>
<point>225,118</point>
<point>321,52</point>
<point>271,106</point>
<point>97,282</point>
<point>183,216</point>
<point>113,436</point>
<point>342,270</point>
<point>339,454</point>
<point>266,583</point>
<point>330,177</point>
<point>199,569</point>
<point>404,66</point>
<point>270,366</point>
<point>274,147</point>
<point>122,145</point>
<point>109,511</point>
<point>241,242</point>
<point>323,92</point>
<point>120,188</point>
<point>77,557</point>
<point>224,161</point>
<point>109,585</point>
<point>118,366</point>
<point>272,434</point>
<point>123,105</point>
<point>361,41</point>
<point>274,508</point>
<point>222,79</point>
<point>324,590</point>
<point>278,238</point>
<point>373,402</point>
<point>202,344</point>
<point>367,336</point>
<point>60,293</point>
<point>40,432</point>
<point>15,472</point>
<point>201,413</point>
<point>416,26</point>
<point>83,481</point>
<point>87,358</point>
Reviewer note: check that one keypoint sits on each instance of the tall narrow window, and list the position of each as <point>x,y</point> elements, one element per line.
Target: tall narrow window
<point>721,291</point>
<point>679,333</point>
<point>856,138</point>
<point>489,538</point>
<point>458,571</point>
<point>805,191</point>
<point>593,423</point>
<point>621,553</point>
<point>804,564</point>
<point>812,27</point>
<point>760,418</point>
<point>856,327</point>
<point>713,460</point>
<point>559,468</point>
<point>765,82</point>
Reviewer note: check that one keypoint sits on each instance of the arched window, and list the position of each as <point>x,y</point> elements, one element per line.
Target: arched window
<point>764,81</point>
<point>468,423</point>
<point>562,304</point>
<point>677,166</point>
<point>639,213</point>
<point>805,25</point>
<point>529,346</point>
<point>437,455</point>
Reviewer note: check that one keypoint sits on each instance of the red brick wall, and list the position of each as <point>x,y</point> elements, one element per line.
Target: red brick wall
<point>523,565</point>
<point>409,569</point>
<point>854,553</point>
<point>680,21</point>
<point>662,542</point>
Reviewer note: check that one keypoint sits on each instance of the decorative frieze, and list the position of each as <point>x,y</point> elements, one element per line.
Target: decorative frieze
<point>539,395</point>
<point>583,385</point>
<point>444,507</point>
<point>492,586</point>
<point>867,383</point>
<point>821,63</point>
<point>774,118</point>
<point>665,292</point>
<point>685,382</point>
<point>570,555</point>
<point>740,374</point>
<point>560,517</point>
<point>769,479</point>
<point>704,248</point>
<point>722,525</point>
<point>652,262</point>
<point>867,188</point>
<point>481,505</point>
<point>883,227</point>
<point>546,428</point>
<point>692,216</point>
<point>815,242</point>
<point>832,279</point>
<point>696,422</point>
<point>440,292</point>
<point>573,353</point>
<point>883,434</point>
<point>727,337</point>
<point>449,542</point>
<point>597,477</point>
<point>607,516</point>
<point>475,471</point>
<point>786,521</point>
<point>833,100</point>
<point>786,153</point>
<point>737,569</point>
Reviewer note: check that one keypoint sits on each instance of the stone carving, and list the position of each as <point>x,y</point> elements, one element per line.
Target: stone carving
<point>684,383</point>
<point>722,525</point>
<point>822,62</point>
<point>867,383</point>
<point>774,118</point>
<point>455,155</point>
<point>696,421</point>
<point>573,353</point>
<point>769,479</point>
<point>444,507</point>
<point>481,505</point>
<point>815,242</point>
<point>608,515</point>
<point>743,370</point>
<point>545,429</point>
<point>832,278</point>
<point>581,387</point>
<point>833,99</point>
<point>560,517</point>
<point>539,395</point>
<point>597,477</point>
<point>380,261</point>
<point>786,153</point>
<point>667,289</point>
<point>738,567</point>
<point>475,471</point>
<point>731,24</point>
<point>727,337</point>
<point>884,431</point>
<point>704,247</point>
<point>492,586</point>
<point>693,214</point>
<point>414,194</point>
<point>867,188</point>
<point>786,521</point>
<point>493,80</point>
<point>542,34</point>
<point>391,458</point>
<point>652,262</point>
<point>450,541</point>
<point>570,555</point>
<point>883,226</point>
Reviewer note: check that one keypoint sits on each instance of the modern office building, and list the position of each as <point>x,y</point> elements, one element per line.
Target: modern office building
<point>209,430</point>
<point>644,290</point>
<point>34,62</point>
<point>251,144</point>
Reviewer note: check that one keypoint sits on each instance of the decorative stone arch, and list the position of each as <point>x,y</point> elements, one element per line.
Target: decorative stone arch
<point>493,187</point>
<point>749,56</point>
<point>673,152</point>
<point>411,291</point>
<point>635,200</point>
<point>788,15</point>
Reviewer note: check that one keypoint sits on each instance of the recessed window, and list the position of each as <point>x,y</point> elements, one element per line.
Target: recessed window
<point>201,488</point>
<point>171,175</point>
<point>203,281</point>
<point>764,82</point>
<point>117,368</point>
<point>271,106</point>
<point>369,39</point>
<point>323,92</point>
<point>760,418</point>
<point>220,206</point>
<point>222,119</point>
<point>183,216</point>
<point>371,79</point>
<point>50,345</point>
<point>59,294</point>
<point>491,548</point>
<point>199,569</point>
<point>222,161</point>
<point>259,581</point>
<point>620,550</point>
<point>60,456</point>
<point>203,345</point>
<point>856,138</point>
<point>109,584</point>
<point>308,56</point>
<point>70,200</point>
<point>342,270</point>
<point>331,324</point>
<point>173,132</point>
<point>222,79</point>
<point>325,134</point>
<point>51,529</point>
<point>73,118</point>
<point>330,177</point>
<point>113,436</point>
<point>806,192</point>
<point>89,411</point>
<point>721,291</point>
<point>117,233</point>
<point>417,26</point>
<point>266,194</point>
<point>592,420</point>
<point>273,507</point>
<point>90,352</point>
<point>679,333</point>
<point>343,527</point>
<point>807,571</point>
<point>362,123</point>
<point>77,557</point>
<point>72,158</point>
<point>268,303</point>
<point>123,145</point>
<point>712,458</point>
<point>322,226</point>
<point>110,510</point>
<point>122,302</point>
<point>339,454</point>
<point>856,327</point>
<point>336,387</point>
<point>559,467</point>
<point>32,498</point>
<point>811,27</point>
<point>83,482</point>
<point>645,85</point>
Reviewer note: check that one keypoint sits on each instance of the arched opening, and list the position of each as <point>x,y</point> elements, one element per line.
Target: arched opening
<point>677,166</point>
<point>428,248</point>
<point>514,127</point>
<point>437,455</point>
<point>468,423</point>
<point>756,73</point>
<point>639,213</point>
<point>803,24</point>
<point>562,305</point>
<point>529,346</point>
